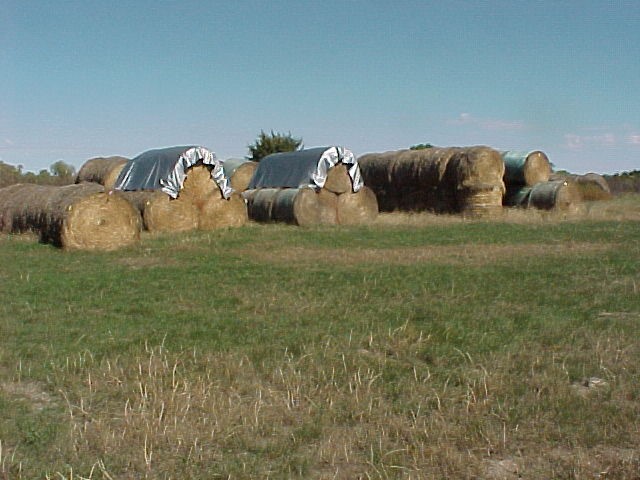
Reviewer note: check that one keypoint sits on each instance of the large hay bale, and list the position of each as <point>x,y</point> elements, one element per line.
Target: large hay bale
<point>552,195</point>
<point>304,207</point>
<point>357,208</point>
<point>484,202</point>
<point>239,171</point>
<point>526,168</point>
<point>338,179</point>
<point>260,203</point>
<point>476,168</point>
<point>375,169</point>
<point>80,216</point>
<point>161,213</point>
<point>198,185</point>
<point>219,212</point>
<point>559,195</point>
<point>592,186</point>
<point>102,170</point>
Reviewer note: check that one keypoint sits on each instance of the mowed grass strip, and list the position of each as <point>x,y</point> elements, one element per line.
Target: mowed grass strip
<point>454,349</point>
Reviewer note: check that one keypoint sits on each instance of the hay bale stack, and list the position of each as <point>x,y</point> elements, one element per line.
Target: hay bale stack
<point>80,216</point>
<point>299,206</point>
<point>102,170</point>
<point>525,168</point>
<point>552,195</point>
<point>239,171</point>
<point>338,180</point>
<point>161,213</point>
<point>220,212</point>
<point>357,208</point>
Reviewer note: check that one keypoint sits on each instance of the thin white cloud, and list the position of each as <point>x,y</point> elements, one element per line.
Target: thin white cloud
<point>8,142</point>
<point>487,123</point>
<point>576,142</point>
<point>634,139</point>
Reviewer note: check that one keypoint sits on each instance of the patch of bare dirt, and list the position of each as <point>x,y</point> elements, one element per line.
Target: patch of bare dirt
<point>32,392</point>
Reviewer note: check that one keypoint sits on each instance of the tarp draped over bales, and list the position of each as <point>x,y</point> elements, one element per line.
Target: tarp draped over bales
<point>166,168</point>
<point>304,168</point>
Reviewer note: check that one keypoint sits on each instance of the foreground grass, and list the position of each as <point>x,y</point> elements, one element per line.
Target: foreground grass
<point>410,349</point>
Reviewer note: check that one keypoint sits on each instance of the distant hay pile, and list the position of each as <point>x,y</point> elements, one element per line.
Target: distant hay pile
<point>333,204</point>
<point>200,205</point>
<point>102,170</point>
<point>444,180</point>
<point>80,216</point>
<point>525,168</point>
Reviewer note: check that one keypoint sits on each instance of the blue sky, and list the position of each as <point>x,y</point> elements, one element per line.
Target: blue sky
<point>96,78</point>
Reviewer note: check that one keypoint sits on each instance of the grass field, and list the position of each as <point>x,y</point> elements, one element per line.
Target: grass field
<point>418,347</point>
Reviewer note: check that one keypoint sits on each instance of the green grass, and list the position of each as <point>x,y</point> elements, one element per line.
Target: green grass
<point>390,351</point>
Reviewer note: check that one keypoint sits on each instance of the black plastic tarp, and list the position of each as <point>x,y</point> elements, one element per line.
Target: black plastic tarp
<point>166,168</point>
<point>304,168</point>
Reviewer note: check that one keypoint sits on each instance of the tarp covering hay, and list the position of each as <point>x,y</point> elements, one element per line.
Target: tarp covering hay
<point>311,187</point>
<point>525,168</point>
<point>305,168</point>
<point>299,206</point>
<point>181,188</point>
<point>552,195</point>
<point>239,171</point>
<point>80,216</point>
<point>442,180</point>
<point>102,170</point>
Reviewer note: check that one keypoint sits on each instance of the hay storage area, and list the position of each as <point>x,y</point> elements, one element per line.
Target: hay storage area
<point>102,170</point>
<point>299,206</point>
<point>552,195</point>
<point>239,171</point>
<point>357,208</point>
<point>161,213</point>
<point>80,216</point>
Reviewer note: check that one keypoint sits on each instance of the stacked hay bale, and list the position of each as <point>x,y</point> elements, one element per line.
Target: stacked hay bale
<point>319,186</point>
<point>530,183</point>
<point>179,189</point>
<point>81,216</point>
<point>102,170</point>
<point>592,186</point>
<point>443,180</point>
<point>239,171</point>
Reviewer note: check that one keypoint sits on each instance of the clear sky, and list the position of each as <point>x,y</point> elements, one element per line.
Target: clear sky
<point>85,78</point>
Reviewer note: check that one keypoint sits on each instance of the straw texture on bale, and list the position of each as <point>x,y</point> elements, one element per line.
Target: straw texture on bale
<point>102,170</point>
<point>338,179</point>
<point>592,186</point>
<point>526,168</point>
<point>476,168</point>
<point>219,212</point>
<point>357,208</point>
<point>161,213</point>
<point>80,216</point>
<point>242,175</point>
<point>300,206</point>
<point>485,202</point>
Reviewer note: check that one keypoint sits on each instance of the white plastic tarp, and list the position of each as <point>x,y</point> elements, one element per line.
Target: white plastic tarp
<point>166,168</point>
<point>304,168</point>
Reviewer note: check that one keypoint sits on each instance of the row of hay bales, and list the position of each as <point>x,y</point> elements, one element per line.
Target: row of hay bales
<point>444,180</point>
<point>199,204</point>
<point>475,181</point>
<point>320,186</point>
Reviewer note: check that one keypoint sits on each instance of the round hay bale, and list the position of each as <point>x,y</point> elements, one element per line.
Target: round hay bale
<point>420,168</point>
<point>522,168</point>
<point>218,212</point>
<point>592,186</point>
<point>102,170</point>
<point>304,207</point>
<point>357,208</point>
<point>559,195</point>
<point>198,185</point>
<point>517,197</point>
<point>375,169</point>
<point>260,203</point>
<point>161,213</point>
<point>338,179</point>
<point>242,176</point>
<point>328,205</point>
<point>475,168</point>
<point>485,202</point>
<point>80,216</point>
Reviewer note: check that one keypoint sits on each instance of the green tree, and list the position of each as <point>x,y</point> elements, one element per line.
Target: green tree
<point>273,142</point>
<point>61,169</point>
<point>420,146</point>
